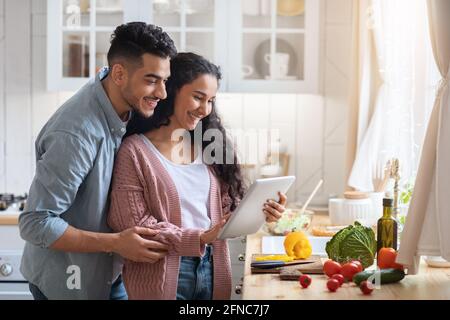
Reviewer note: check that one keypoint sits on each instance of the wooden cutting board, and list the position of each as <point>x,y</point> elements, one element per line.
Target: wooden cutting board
<point>9,219</point>
<point>312,265</point>
<point>291,273</point>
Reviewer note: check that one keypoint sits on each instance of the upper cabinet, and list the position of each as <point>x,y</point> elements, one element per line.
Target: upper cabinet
<point>198,26</point>
<point>267,46</point>
<point>274,46</point>
<point>77,39</point>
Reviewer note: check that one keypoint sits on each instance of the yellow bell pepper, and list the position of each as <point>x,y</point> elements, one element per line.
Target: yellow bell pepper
<point>297,245</point>
<point>277,257</point>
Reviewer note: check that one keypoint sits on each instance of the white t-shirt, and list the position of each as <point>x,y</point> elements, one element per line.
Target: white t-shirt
<point>193,183</point>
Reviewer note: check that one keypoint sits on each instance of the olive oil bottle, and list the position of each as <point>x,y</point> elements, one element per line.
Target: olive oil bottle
<point>387,227</point>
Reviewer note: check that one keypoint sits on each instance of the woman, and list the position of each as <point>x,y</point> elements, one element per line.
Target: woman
<point>180,196</point>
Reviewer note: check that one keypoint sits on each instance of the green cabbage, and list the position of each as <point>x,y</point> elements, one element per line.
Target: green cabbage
<point>353,243</point>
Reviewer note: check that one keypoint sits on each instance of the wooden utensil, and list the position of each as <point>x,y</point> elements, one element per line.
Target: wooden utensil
<point>380,185</point>
<point>292,273</point>
<point>302,210</point>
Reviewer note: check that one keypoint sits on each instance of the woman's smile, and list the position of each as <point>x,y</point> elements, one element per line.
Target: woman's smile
<point>194,116</point>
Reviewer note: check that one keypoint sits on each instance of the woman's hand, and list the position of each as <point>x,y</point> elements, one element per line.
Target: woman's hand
<point>132,245</point>
<point>274,210</point>
<point>211,235</point>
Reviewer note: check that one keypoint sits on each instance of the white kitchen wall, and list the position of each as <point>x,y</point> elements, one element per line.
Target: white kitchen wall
<point>2,96</point>
<point>337,52</point>
<point>312,128</point>
<point>299,120</point>
<point>24,103</point>
<point>16,92</point>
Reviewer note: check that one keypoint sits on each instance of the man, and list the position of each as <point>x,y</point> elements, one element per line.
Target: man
<point>70,252</point>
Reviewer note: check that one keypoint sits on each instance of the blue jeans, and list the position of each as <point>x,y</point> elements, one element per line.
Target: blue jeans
<point>195,279</point>
<point>117,291</point>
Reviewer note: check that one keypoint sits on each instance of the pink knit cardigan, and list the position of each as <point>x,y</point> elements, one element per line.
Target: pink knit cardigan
<point>143,194</point>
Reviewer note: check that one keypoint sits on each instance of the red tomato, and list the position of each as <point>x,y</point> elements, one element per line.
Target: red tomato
<point>359,264</point>
<point>349,270</point>
<point>332,285</point>
<point>339,277</point>
<point>366,287</point>
<point>386,259</point>
<point>331,267</point>
<point>305,280</point>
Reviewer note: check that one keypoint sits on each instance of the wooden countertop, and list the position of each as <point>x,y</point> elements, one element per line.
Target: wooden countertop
<point>429,284</point>
<point>9,218</point>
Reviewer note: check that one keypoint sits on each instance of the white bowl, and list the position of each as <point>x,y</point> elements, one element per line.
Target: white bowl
<point>335,211</point>
<point>358,210</point>
<point>291,219</point>
<point>346,211</point>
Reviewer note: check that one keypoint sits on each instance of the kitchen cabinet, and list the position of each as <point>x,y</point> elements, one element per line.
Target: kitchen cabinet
<point>78,35</point>
<point>237,248</point>
<point>274,46</point>
<point>266,46</point>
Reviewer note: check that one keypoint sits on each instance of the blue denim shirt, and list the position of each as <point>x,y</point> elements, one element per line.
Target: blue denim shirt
<point>75,153</point>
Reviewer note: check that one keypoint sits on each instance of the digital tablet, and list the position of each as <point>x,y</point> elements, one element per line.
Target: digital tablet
<point>248,216</point>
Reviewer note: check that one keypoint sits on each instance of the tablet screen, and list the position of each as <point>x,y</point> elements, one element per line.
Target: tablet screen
<point>248,216</point>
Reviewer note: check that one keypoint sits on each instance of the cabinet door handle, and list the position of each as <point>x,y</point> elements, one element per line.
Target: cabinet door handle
<point>244,240</point>
<point>241,257</point>
<point>238,289</point>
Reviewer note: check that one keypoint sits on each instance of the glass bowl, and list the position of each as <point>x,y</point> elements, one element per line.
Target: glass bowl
<point>291,220</point>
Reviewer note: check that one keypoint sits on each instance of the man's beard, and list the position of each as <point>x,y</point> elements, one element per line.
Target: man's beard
<point>134,106</point>
<point>135,109</point>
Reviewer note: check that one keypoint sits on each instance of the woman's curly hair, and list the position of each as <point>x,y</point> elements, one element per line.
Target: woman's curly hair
<point>185,68</point>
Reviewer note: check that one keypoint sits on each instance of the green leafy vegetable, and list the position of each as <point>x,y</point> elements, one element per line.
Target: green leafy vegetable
<point>332,246</point>
<point>353,243</point>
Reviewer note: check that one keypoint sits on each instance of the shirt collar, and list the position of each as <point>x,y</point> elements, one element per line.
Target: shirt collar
<point>116,125</point>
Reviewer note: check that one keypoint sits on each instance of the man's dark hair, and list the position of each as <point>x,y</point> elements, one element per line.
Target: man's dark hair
<point>132,40</point>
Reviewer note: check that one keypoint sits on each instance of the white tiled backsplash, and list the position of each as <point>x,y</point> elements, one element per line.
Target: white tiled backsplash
<point>300,121</point>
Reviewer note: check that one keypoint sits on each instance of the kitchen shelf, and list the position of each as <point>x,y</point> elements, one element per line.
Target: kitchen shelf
<point>108,10</point>
<point>239,35</point>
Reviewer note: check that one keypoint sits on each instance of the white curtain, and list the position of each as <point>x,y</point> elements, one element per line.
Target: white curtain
<point>392,92</point>
<point>364,79</point>
<point>427,228</point>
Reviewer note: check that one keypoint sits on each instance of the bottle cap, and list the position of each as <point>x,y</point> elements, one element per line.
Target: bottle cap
<point>388,202</point>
